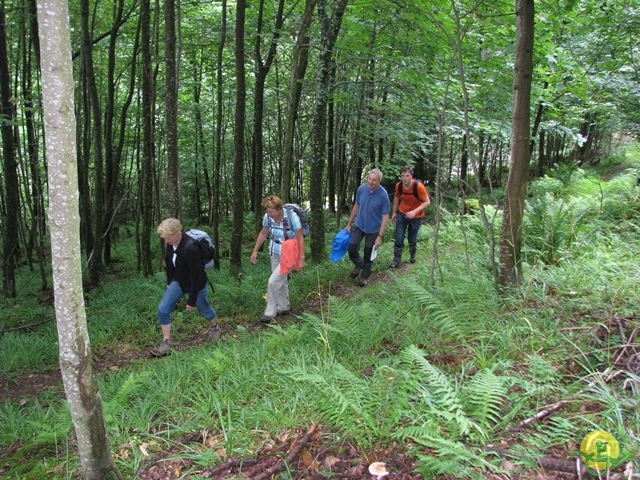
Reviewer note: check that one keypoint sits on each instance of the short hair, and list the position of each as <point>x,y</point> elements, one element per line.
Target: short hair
<point>272,201</point>
<point>377,171</point>
<point>169,226</point>
<point>406,169</point>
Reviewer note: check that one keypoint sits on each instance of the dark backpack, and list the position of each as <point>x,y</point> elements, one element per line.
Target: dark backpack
<point>415,188</point>
<point>289,207</point>
<point>208,250</point>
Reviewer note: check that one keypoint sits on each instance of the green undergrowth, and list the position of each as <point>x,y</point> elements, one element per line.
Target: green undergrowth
<point>448,369</point>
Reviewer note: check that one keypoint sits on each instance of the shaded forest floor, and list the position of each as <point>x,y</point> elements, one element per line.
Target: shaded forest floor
<point>305,454</point>
<point>32,384</point>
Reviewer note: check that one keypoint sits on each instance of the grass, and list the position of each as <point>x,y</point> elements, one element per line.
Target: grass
<point>442,369</point>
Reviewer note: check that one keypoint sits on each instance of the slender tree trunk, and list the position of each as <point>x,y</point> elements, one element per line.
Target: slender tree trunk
<point>12,196</point>
<point>217,211</point>
<point>171,111</point>
<point>146,174</point>
<point>238,140</point>
<point>511,232</point>
<point>112,166</point>
<point>81,388</point>
<point>298,71</point>
<point>262,70</point>
<point>330,27</point>
<point>95,256</point>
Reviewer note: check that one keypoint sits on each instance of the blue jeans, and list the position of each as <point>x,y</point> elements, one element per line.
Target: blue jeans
<point>402,225</point>
<point>172,296</point>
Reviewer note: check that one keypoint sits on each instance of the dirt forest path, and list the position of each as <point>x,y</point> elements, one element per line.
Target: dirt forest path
<point>32,384</point>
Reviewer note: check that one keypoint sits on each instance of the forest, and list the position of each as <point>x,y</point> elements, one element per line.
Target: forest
<point>512,113</point>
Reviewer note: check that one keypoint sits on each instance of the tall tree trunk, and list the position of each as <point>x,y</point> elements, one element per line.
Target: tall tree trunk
<point>262,70</point>
<point>38,220</point>
<point>83,132</point>
<point>171,111</point>
<point>331,150</point>
<point>94,257</point>
<point>330,27</point>
<point>511,232</point>
<point>12,197</point>
<point>238,140</point>
<point>298,69</point>
<point>146,187</point>
<point>81,388</point>
<point>217,211</point>
<point>112,166</point>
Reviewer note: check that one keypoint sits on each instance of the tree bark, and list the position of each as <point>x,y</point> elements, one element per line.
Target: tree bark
<point>80,385</point>
<point>238,140</point>
<point>10,167</point>
<point>174,203</point>
<point>298,70</point>
<point>511,231</point>
<point>112,157</point>
<point>262,70</point>
<point>94,257</point>
<point>330,27</point>
<point>146,183</point>
<point>215,207</point>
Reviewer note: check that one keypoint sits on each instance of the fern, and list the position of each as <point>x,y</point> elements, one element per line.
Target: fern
<point>440,313</point>
<point>485,395</point>
<point>438,392</point>
<point>452,457</point>
<point>343,398</point>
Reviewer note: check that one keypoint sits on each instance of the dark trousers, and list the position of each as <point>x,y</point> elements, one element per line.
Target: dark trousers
<point>354,250</point>
<point>402,225</point>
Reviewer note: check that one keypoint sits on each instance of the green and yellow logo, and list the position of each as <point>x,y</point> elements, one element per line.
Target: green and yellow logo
<point>600,451</point>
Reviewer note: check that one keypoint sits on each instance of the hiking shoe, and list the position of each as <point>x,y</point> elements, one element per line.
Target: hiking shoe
<point>413,259</point>
<point>214,334</point>
<point>266,319</point>
<point>163,348</point>
<point>363,282</point>
<point>356,271</point>
<point>394,264</point>
<point>282,313</point>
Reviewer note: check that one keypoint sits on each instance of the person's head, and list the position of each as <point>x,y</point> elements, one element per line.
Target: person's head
<point>374,178</point>
<point>272,205</point>
<point>406,174</point>
<point>170,230</point>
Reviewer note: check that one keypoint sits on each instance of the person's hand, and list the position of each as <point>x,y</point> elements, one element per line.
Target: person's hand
<point>348,227</point>
<point>254,257</point>
<point>189,308</point>
<point>410,215</point>
<point>378,241</point>
<point>393,218</point>
<point>300,265</point>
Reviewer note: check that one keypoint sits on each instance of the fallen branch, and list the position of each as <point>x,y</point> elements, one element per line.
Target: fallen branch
<point>280,466</point>
<point>561,465</point>
<point>562,403</point>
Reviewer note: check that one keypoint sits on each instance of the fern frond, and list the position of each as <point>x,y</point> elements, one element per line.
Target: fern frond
<point>131,387</point>
<point>437,391</point>
<point>440,314</point>
<point>452,457</point>
<point>485,395</point>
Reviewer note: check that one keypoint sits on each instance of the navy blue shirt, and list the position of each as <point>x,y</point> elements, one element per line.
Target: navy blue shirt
<point>371,208</point>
